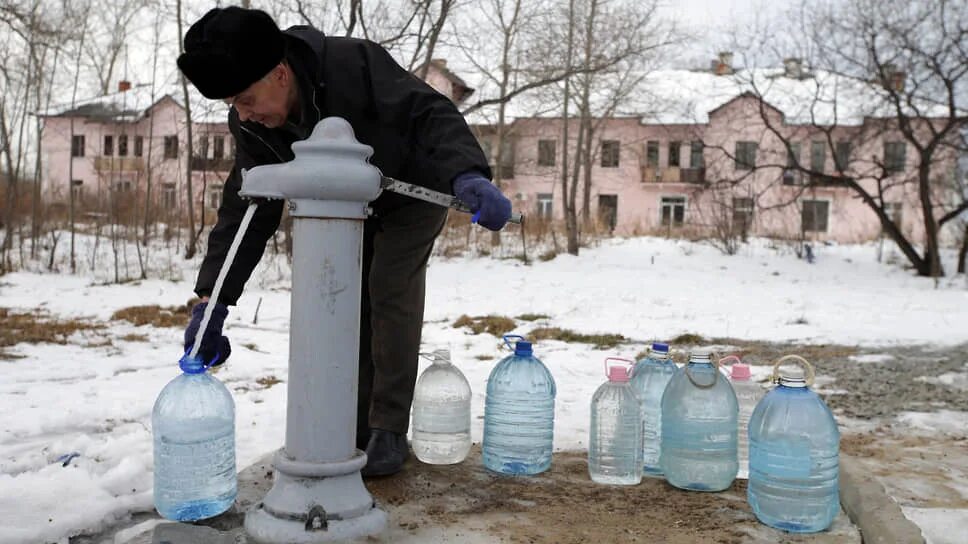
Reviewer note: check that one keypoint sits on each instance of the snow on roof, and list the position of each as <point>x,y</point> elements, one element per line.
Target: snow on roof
<point>132,105</point>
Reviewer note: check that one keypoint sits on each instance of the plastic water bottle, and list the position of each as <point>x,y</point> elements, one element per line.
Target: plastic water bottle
<point>794,456</point>
<point>649,379</point>
<point>442,413</point>
<point>193,423</point>
<point>748,395</point>
<point>519,413</point>
<point>615,438</point>
<point>699,412</point>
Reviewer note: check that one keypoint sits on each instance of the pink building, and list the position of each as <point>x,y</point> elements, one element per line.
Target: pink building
<point>684,170</point>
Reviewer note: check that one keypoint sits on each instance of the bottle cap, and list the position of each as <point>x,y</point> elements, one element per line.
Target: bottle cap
<point>618,374</point>
<point>700,355</point>
<point>441,355</point>
<point>660,347</point>
<point>522,348</point>
<point>192,365</point>
<point>793,377</point>
<point>740,371</point>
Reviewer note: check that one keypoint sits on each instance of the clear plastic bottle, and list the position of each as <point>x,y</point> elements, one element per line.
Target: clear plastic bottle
<point>193,422</point>
<point>442,413</point>
<point>649,379</point>
<point>519,413</point>
<point>748,394</point>
<point>615,436</point>
<point>794,456</point>
<point>699,413</point>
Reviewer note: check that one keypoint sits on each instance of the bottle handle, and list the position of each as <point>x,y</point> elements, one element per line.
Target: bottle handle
<point>738,360</point>
<point>716,375</point>
<point>508,342</point>
<point>776,369</point>
<point>628,362</point>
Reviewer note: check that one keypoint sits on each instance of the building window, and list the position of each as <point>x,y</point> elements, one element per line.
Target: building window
<point>171,147</point>
<point>123,145</point>
<point>546,152</point>
<point>610,153</point>
<point>507,158</point>
<point>202,151</point>
<point>815,214</point>
<point>746,155</point>
<point>139,146</point>
<point>168,196</point>
<point>673,211</point>
<point>544,205</point>
<point>122,185</point>
<point>742,215</point>
<point>608,211</point>
<point>791,176</point>
<point>695,155</point>
<point>215,196</point>
<point>651,154</point>
<point>894,156</point>
<point>218,147</point>
<point>108,145</point>
<point>77,145</point>
<point>77,191</point>
<point>842,155</point>
<point>674,149</point>
<point>818,156</point>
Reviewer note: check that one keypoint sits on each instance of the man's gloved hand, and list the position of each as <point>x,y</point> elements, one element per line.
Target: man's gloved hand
<point>485,200</point>
<point>213,343</point>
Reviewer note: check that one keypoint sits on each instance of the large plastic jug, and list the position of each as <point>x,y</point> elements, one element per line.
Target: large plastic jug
<point>649,379</point>
<point>748,395</point>
<point>193,422</point>
<point>519,413</point>
<point>615,435</point>
<point>699,412</point>
<point>794,455</point>
<point>442,413</point>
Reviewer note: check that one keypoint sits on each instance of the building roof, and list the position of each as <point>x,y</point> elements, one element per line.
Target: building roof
<point>133,105</point>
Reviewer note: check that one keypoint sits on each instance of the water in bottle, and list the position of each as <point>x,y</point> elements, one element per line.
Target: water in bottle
<point>193,423</point>
<point>442,413</point>
<point>519,413</point>
<point>649,379</point>
<point>794,456</point>
<point>699,413</point>
<point>615,437</point>
<point>748,394</point>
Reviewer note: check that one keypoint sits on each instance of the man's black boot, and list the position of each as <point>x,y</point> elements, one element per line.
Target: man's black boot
<point>386,453</point>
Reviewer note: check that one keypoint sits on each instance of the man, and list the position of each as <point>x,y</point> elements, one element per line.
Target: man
<point>279,84</point>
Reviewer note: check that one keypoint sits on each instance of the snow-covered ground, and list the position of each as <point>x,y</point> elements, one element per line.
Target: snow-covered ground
<point>93,395</point>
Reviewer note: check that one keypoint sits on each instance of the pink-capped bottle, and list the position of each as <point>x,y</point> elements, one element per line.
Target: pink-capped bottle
<point>615,435</point>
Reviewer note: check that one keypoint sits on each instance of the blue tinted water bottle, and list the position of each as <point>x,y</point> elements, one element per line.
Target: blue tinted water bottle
<point>519,413</point>
<point>794,455</point>
<point>649,379</point>
<point>615,435</point>
<point>193,423</point>
<point>699,411</point>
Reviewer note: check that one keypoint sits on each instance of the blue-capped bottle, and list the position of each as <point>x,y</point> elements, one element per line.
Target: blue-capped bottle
<point>649,379</point>
<point>794,455</point>
<point>193,423</point>
<point>699,412</point>
<point>519,413</point>
<point>615,434</point>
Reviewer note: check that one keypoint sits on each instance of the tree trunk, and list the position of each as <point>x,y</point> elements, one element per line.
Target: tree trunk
<point>571,223</point>
<point>932,256</point>
<point>191,247</point>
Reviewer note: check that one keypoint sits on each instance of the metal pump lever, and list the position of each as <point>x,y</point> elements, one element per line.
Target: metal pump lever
<point>434,197</point>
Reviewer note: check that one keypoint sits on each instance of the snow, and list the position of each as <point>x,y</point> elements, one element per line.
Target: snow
<point>939,525</point>
<point>872,358</point>
<point>942,421</point>
<point>93,395</point>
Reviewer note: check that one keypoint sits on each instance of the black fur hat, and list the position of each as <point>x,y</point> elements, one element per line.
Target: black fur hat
<point>229,49</point>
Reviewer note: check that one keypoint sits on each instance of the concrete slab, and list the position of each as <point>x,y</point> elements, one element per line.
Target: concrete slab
<point>466,504</point>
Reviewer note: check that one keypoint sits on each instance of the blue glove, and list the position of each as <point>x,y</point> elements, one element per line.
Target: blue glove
<point>215,348</point>
<point>491,208</point>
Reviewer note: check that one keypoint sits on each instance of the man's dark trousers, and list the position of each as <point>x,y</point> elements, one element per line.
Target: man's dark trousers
<point>396,247</point>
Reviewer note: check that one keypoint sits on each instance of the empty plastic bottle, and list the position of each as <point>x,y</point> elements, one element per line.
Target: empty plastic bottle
<point>794,456</point>
<point>519,413</point>
<point>649,379</point>
<point>442,413</point>
<point>699,412</point>
<point>615,436</point>
<point>193,423</point>
<point>748,394</point>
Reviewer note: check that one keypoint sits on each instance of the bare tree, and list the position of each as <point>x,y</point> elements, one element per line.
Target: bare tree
<point>888,105</point>
<point>192,245</point>
<point>105,50</point>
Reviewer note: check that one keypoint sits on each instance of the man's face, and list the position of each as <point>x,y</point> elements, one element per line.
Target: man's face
<point>267,101</point>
